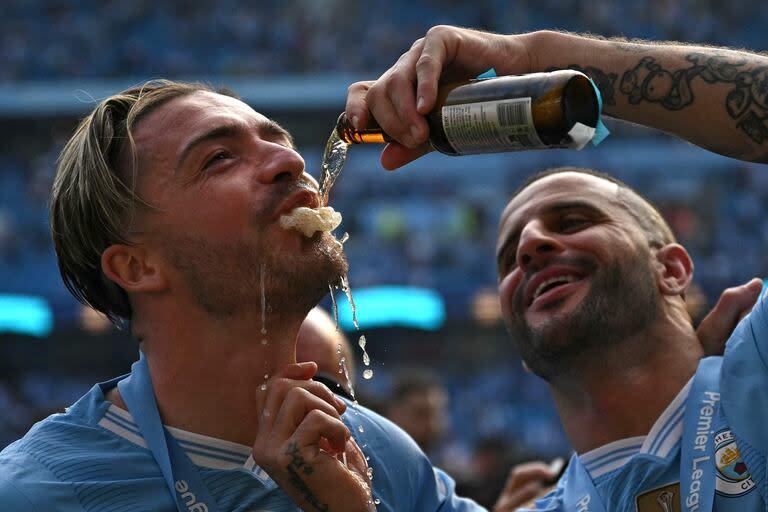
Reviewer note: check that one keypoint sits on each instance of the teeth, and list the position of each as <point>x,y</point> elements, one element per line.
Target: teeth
<point>552,280</point>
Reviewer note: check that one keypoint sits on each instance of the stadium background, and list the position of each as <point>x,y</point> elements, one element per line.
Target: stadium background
<point>431,225</point>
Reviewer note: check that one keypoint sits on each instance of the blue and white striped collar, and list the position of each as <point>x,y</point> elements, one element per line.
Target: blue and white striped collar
<point>204,451</point>
<point>663,438</point>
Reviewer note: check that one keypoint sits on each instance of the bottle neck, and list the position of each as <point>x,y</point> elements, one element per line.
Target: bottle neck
<point>371,134</point>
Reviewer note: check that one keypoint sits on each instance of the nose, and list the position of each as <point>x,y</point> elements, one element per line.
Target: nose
<point>537,245</point>
<point>282,163</point>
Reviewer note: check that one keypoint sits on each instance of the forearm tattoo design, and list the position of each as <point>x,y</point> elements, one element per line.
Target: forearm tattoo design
<point>746,102</point>
<point>296,468</point>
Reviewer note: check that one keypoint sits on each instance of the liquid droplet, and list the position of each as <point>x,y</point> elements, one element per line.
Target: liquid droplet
<point>348,292</point>
<point>263,300</point>
<point>343,369</point>
<point>264,341</point>
<point>360,429</point>
<point>370,473</point>
<point>263,387</point>
<point>366,359</point>
<point>368,374</point>
<point>335,311</point>
<point>377,501</point>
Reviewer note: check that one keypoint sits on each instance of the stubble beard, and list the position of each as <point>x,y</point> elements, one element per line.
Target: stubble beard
<point>622,302</point>
<point>231,278</point>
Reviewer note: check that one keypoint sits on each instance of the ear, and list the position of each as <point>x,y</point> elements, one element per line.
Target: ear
<point>675,269</point>
<point>130,268</point>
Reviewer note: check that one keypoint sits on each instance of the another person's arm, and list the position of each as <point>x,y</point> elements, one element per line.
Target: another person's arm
<point>527,482</point>
<point>715,98</point>
<point>734,303</point>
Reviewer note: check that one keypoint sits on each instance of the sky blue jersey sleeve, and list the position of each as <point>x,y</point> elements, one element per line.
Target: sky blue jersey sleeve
<point>744,377</point>
<point>13,499</point>
<point>403,477</point>
<point>27,486</point>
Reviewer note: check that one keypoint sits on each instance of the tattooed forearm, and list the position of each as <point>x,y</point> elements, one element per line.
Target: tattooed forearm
<point>746,103</point>
<point>296,468</point>
<point>605,82</point>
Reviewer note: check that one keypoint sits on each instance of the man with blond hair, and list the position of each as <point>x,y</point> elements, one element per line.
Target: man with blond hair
<point>165,214</point>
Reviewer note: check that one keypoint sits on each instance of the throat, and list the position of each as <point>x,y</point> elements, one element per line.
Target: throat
<point>606,406</point>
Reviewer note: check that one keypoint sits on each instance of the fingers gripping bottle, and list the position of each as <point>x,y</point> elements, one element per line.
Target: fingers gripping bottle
<point>559,109</point>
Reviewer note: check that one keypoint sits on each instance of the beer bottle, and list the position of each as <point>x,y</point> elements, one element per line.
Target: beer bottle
<point>559,109</point>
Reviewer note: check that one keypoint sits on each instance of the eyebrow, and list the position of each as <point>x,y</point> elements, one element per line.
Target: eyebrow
<point>559,207</point>
<point>268,129</point>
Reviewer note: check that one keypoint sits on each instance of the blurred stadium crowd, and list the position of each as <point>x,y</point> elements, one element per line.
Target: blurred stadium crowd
<point>288,36</point>
<point>432,226</point>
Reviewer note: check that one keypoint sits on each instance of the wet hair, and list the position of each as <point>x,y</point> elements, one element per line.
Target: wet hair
<point>94,198</point>
<point>647,217</point>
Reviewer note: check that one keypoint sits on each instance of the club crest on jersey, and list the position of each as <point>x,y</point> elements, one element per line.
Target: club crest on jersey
<point>733,477</point>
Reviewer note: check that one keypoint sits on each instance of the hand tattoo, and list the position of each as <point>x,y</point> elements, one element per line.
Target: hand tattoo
<point>295,468</point>
<point>747,102</point>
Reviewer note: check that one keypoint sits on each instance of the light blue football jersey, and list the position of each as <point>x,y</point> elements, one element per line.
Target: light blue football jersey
<point>642,474</point>
<point>93,458</point>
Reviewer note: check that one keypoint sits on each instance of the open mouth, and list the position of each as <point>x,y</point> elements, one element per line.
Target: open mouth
<point>551,284</point>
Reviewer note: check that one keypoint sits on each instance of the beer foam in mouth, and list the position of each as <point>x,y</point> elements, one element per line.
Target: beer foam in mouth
<point>309,220</point>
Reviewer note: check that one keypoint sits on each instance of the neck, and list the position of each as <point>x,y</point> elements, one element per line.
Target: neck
<point>206,373</point>
<point>621,392</point>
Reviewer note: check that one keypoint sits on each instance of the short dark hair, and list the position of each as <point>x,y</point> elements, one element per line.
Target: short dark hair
<point>648,218</point>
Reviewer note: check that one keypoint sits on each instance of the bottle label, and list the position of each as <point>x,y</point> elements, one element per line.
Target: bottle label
<point>491,126</point>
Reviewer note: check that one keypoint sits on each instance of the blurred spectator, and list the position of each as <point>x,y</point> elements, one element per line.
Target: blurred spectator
<point>418,403</point>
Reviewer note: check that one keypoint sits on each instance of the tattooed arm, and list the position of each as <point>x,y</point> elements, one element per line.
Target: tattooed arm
<point>715,98</point>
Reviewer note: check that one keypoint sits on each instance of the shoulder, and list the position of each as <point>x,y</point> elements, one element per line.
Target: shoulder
<point>403,477</point>
<point>27,485</point>
<point>378,432</point>
<point>744,376</point>
<point>67,459</point>
<point>13,498</point>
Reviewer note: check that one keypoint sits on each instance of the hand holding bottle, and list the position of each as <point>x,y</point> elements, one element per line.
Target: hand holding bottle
<point>407,91</point>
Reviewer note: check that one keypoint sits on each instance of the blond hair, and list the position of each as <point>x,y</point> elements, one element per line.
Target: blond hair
<point>94,196</point>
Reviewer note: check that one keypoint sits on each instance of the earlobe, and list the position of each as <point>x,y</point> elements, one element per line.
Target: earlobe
<point>128,267</point>
<point>675,269</point>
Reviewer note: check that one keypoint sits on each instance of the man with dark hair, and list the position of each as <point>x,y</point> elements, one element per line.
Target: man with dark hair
<point>594,300</point>
<point>591,283</point>
<point>418,402</point>
<point>168,212</point>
